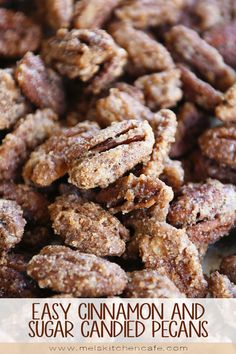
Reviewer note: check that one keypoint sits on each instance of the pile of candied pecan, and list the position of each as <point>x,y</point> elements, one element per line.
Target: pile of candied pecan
<point>117,147</point>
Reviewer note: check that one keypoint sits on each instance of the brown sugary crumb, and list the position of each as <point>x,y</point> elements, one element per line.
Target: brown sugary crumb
<point>221,287</point>
<point>119,106</point>
<point>198,91</point>
<point>145,54</point>
<point>87,227</point>
<point>48,162</point>
<point>161,90</point>
<point>27,134</point>
<point>93,13</point>
<point>71,272</point>
<point>149,283</point>
<point>113,151</point>
<point>86,54</point>
<point>170,252</point>
<point>13,103</point>
<point>42,86</point>
<point>12,224</point>
<point>146,13</point>
<point>226,111</point>
<point>228,267</point>
<point>18,34</point>
<point>219,144</point>
<point>173,174</point>
<point>130,193</point>
<point>57,13</point>
<point>188,47</point>
<point>191,123</point>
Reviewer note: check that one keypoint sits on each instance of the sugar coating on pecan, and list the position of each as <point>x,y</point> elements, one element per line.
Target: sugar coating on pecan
<point>18,34</point>
<point>119,106</point>
<point>226,111</point>
<point>170,252</point>
<point>33,203</point>
<point>12,224</point>
<point>164,125</point>
<point>221,287</point>
<point>28,133</point>
<point>191,123</point>
<point>173,174</point>
<point>131,90</point>
<point>87,227</point>
<point>219,144</point>
<point>223,39</point>
<point>188,47</point>
<point>93,13</point>
<point>161,90</point>
<point>48,162</point>
<point>228,267</point>
<point>57,13</point>
<point>149,283</point>
<point>198,91</point>
<point>90,55</point>
<point>42,86</point>
<point>113,151</point>
<point>145,54</point>
<point>130,193</point>
<point>13,103</point>
<point>71,272</point>
<point>146,13</point>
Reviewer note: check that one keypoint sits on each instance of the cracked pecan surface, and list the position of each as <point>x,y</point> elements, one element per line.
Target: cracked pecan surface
<point>71,272</point>
<point>221,287</point>
<point>87,227</point>
<point>113,151</point>
<point>226,111</point>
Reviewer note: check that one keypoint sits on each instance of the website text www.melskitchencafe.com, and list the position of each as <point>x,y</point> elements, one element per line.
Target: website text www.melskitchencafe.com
<point>117,325</point>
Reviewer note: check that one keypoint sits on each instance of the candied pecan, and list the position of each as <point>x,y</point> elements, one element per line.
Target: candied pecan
<point>90,55</point>
<point>36,236</point>
<point>171,253</point>
<point>145,13</point>
<point>149,283</point>
<point>42,86</point>
<point>32,202</point>
<point>16,261</point>
<point>219,144</point>
<point>113,151</point>
<point>18,34</point>
<point>191,123</point>
<point>164,125</point>
<point>131,90</point>
<point>13,104</point>
<point>93,13</point>
<point>197,91</point>
<point>48,163</point>
<point>226,111</point>
<point>146,55</point>
<point>58,13</point>
<point>28,133</point>
<point>130,192</point>
<point>188,47</point>
<point>173,174</point>
<point>119,106</point>
<point>71,272</point>
<point>228,267</point>
<point>224,40</point>
<point>221,287</point>
<point>12,224</point>
<point>87,227</point>
<point>161,90</point>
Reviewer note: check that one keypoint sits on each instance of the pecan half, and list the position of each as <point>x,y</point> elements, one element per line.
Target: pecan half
<point>57,13</point>
<point>161,90</point>
<point>71,272</point>
<point>28,133</point>
<point>228,267</point>
<point>173,174</point>
<point>18,34</point>
<point>113,151</point>
<point>87,227</point>
<point>227,110</point>
<point>42,86</point>
<point>188,47</point>
<point>86,54</point>
<point>48,163</point>
<point>12,224</point>
<point>221,287</point>
<point>13,103</point>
